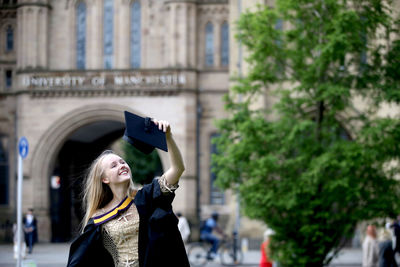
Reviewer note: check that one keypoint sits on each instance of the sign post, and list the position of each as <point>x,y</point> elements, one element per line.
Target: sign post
<point>23,149</point>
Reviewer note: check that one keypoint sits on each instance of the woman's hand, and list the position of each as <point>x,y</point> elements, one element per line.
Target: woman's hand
<point>163,125</point>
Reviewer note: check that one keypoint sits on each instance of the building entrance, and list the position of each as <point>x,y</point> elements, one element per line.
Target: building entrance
<point>71,165</point>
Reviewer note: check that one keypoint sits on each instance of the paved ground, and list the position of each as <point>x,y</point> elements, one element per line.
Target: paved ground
<point>44,255</point>
<point>55,255</point>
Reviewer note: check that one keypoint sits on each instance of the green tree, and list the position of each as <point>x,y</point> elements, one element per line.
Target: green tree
<point>144,167</point>
<point>311,166</point>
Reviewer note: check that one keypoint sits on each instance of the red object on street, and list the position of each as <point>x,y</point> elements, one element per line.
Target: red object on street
<point>265,261</point>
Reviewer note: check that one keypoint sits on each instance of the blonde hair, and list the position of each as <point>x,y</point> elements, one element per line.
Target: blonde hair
<point>97,194</point>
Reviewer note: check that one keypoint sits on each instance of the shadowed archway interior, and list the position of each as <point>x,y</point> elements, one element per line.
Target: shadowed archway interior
<point>71,165</point>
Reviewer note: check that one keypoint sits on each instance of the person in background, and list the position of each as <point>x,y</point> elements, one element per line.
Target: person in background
<point>396,234</point>
<point>386,252</point>
<point>183,227</point>
<point>206,234</point>
<point>265,261</point>
<point>15,239</point>
<point>370,248</point>
<point>30,230</point>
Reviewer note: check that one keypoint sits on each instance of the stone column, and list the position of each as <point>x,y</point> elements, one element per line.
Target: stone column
<point>32,34</point>
<point>42,49</point>
<point>182,34</point>
<point>32,30</point>
<point>171,51</point>
<point>145,32</point>
<point>24,42</point>
<point>20,39</point>
<point>94,37</point>
<point>192,30</point>
<point>121,29</point>
<point>217,44</point>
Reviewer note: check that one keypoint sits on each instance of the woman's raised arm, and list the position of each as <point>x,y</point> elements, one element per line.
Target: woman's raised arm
<point>173,174</point>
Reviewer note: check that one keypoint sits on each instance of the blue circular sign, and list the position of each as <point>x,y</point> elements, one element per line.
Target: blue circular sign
<point>23,147</point>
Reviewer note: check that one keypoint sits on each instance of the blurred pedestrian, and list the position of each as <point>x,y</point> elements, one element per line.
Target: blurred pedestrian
<point>30,230</point>
<point>386,252</point>
<point>183,226</point>
<point>265,260</point>
<point>15,240</point>
<point>206,234</point>
<point>370,248</point>
<point>396,234</point>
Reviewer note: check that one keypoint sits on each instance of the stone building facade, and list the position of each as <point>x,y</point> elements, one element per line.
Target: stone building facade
<point>69,68</point>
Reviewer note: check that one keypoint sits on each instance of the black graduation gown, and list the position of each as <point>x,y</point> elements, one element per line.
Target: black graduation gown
<point>160,243</point>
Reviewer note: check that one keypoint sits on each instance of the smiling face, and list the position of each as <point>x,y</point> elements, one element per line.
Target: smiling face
<point>116,170</point>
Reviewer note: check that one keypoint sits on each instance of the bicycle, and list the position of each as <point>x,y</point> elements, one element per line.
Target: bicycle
<point>198,253</point>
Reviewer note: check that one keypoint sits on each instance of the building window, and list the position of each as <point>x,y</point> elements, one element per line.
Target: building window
<point>209,44</point>
<point>108,33</point>
<point>280,61</point>
<point>9,39</point>
<point>225,44</point>
<point>279,27</point>
<point>3,169</point>
<point>364,40</point>
<point>8,79</point>
<point>217,196</point>
<point>135,35</point>
<point>81,36</point>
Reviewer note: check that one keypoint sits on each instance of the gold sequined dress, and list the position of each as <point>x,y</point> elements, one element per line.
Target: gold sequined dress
<point>120,236</point>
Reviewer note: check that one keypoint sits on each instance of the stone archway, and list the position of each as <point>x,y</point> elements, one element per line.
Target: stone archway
<point>50,144</point>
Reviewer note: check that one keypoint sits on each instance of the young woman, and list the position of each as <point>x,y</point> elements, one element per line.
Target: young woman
<point>125,225</point>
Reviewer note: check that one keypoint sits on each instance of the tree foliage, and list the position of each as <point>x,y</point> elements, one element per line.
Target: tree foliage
<point>144,167</point>
<point>313,165</point>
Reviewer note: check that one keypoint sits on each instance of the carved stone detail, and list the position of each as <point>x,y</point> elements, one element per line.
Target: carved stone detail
<point>108,93</point>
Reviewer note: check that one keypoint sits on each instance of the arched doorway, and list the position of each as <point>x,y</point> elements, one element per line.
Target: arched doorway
<point>61,159</point>
<point>74,158</point>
